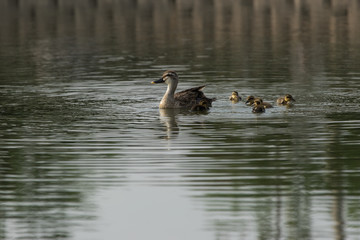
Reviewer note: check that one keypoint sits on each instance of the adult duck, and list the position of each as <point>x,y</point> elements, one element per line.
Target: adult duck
<point>184,99</point>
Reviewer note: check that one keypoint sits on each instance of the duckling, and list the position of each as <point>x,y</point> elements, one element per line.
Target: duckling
<point>235,97</point>
<point>184,99</point>
<point>200,107</point>
<point>250,100</point>
<point>286,100</point>
<point>265,104</point>
<point>258,107</point>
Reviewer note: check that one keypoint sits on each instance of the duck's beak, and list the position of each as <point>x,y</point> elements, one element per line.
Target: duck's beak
<point>161,80</point>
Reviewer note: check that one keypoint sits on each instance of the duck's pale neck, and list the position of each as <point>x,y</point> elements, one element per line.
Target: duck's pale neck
<point>171,88</point>
<point>168,100</point>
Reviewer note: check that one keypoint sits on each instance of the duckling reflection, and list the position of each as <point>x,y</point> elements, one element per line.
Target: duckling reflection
<point>168,118</point>
<point>287,100</point>
<point>234,98</point>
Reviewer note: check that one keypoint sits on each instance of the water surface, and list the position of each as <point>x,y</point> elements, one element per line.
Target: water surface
<point>85,153</point>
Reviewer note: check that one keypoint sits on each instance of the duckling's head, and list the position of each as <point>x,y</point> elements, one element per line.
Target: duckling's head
<point>203,103</point>
<point>168,77</point>
<point>235,97</point>
<point>257,101</point>
<point>250,100</point>
<point>289,98</point>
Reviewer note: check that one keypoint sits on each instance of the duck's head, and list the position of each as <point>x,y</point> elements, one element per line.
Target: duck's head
<point>250,100</point>
<point>289,98</point>
<point>235,93</point>
<point>167,77</point>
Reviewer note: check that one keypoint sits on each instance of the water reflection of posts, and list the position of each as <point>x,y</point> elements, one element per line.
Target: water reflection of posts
<point>168,117</point>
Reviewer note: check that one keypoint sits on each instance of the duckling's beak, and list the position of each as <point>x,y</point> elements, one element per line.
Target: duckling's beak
<point>161,80</point>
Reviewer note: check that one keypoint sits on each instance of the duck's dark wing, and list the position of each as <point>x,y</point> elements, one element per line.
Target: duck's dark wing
<point>191,97</point>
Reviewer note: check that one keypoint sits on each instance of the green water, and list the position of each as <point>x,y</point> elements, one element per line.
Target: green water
<point>85,153</point>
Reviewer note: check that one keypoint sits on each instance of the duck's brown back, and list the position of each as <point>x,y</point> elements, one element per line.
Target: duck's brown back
<point>190,97</point>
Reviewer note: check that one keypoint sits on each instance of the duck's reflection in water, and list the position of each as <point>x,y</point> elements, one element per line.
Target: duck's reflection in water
<point>168,118</point>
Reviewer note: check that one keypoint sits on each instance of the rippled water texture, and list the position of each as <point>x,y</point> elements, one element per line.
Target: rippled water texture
<point>85,152</point>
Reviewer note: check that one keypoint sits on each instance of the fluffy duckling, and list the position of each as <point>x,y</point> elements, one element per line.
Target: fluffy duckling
<point>235,97</point>
<point>184,99</point>
<point>200,107</point>
<point>258,107</point>
<point>265,104</point>
<point>286,100</point>
<point>250,100</point>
